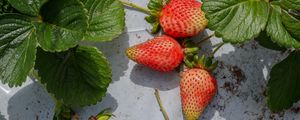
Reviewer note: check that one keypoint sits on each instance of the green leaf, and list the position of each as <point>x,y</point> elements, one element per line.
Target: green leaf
<point>17,48</point>
<point>63,26</point>
<point>284,83</point>
<point>79,76</point>
<point>282,27</point>
<point>236,20</point>
<point>292,25</point>
<point>28,7</point>
<point>291,4</point>
<point>106,19</point>
<point>5,7</point>
<point>264,40</point>
<point>295,13</point>
<point>54,38</point>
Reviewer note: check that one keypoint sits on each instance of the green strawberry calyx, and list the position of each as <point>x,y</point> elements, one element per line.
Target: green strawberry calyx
<point>155,7</point>
<point>206,63</point>
<point>192,59</point>
<point>202,62</point>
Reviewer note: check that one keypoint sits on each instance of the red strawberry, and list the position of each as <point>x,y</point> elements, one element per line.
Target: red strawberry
<point>183,18</point>
<point>178,18</point>
<point>161,53</point>
<point>197,89</point>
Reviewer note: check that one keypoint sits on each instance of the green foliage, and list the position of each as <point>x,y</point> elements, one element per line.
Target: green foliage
<point>295,13</point>
<point>284,83</point>
<point>63,26</point>
<point>291,4</point>
<point>17,48</point>
<point>28,7</point>
<point>5,7</point>
<point>237,21</point>
<point>105,21</point>
<point>50,30</point>
<point>78,76</point>
<point>278,28</point>
<point>240,20</point>
<point>264,40</point>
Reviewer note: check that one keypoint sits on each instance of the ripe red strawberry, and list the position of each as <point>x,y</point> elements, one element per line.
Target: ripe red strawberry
<point>197,89</point>
<point>161,53</point>
<point>178,18</point>
<point>183,18</point>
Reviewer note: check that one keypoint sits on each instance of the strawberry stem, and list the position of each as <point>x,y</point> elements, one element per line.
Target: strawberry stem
<point>162,109</point>
<point>136,6</point>
<point>191,50</point>
<point>205,39</point>
<point>219,46</point>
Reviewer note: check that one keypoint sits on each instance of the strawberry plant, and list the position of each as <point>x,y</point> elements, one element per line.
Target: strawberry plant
<point>276,23</point>
<point>42,37</point>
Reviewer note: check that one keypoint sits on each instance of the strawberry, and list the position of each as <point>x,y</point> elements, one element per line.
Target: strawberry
<point>183,18</point>
<point>178,18</point>
<point>197,85</point>
<point>162,53</point>
<point>197,88</point>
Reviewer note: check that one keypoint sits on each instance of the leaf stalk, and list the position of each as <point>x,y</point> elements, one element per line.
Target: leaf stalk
<point>219,46</point>
<point>205,39</point>
<point>162,109</point>
<point>135,6</point>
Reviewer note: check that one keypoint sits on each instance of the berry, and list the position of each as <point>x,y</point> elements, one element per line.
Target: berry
<point>183,18</point>
<point>161,53</point>
<point>197,89</point>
